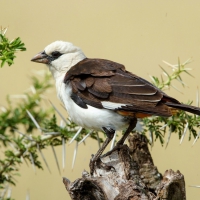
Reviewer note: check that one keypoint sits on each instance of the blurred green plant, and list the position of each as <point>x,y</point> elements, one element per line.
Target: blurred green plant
<point>41,129</point>
<point>181,121</point>
<point>9,48</point>
<point>177,71</point>
<point>22,147</point>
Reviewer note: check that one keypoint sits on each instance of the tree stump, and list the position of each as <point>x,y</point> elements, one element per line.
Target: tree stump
<point>128,174</point>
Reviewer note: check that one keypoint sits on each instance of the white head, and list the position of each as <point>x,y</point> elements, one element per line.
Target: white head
<point>60,57</point>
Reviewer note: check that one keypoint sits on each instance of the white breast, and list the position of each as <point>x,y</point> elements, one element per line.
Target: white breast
<point>92,118</point>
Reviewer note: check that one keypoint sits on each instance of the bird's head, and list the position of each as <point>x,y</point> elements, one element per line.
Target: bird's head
<point>59,56</point>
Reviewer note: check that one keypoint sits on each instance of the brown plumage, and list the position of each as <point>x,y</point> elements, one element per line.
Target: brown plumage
<point>97,80</point>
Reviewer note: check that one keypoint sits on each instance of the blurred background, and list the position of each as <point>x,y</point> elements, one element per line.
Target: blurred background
<point>138,34</point>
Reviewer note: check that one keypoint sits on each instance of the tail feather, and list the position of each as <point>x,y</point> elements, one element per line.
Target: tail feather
<point>188,108</point>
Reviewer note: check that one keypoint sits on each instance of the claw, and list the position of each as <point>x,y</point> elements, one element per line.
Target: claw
<point>92,165</point>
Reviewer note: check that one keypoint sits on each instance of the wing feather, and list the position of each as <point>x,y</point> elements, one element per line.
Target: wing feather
<point>102,85</point>
<point>106,84</point>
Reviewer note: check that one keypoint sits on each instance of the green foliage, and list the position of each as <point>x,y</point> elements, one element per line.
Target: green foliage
<point>20,147</point>
<point>9,48</point>
<point>177,71</point>
<point>178,123</point>
<point>25,147</point>
<point>181,120</point>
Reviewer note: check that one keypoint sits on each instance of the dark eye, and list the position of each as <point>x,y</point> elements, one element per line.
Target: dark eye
<point>56,54</point>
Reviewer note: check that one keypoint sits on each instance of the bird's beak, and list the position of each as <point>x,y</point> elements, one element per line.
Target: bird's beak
<point>41,57</point>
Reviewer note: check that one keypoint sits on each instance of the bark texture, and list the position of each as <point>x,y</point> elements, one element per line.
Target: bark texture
<point>128,174</point>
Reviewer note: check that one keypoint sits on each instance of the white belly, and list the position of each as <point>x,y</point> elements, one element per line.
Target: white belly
<point>92,118</point>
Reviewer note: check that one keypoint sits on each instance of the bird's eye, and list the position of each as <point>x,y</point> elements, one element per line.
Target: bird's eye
<point>56,54</point>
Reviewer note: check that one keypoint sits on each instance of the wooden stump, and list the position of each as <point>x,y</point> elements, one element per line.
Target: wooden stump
<point>128,174</point>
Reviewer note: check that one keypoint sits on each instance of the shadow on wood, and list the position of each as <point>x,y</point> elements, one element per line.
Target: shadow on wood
<point>128,174</point>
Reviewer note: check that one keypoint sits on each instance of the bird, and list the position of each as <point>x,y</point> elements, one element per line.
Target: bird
<point>102,95</point>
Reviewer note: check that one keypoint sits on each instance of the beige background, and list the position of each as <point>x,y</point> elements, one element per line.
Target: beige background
<point>139,34</point>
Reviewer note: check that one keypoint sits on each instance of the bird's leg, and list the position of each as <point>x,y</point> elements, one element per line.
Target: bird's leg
<point>131,126</point>
<point>109,134</point>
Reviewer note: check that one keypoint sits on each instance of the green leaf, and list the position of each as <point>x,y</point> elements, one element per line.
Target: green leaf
<point>8,48</point>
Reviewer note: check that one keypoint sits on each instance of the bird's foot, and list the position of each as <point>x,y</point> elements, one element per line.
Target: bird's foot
<point>99,164</point>
<point>97,155</point>
<point>116,147</point>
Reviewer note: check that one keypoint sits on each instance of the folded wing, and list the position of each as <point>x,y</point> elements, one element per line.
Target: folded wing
<point>106,84</point>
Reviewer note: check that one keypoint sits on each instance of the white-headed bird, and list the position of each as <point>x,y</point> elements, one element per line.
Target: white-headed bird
<point>101,94</point>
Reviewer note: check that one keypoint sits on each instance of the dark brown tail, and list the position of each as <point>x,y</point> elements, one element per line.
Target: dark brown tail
<point>188,108</point>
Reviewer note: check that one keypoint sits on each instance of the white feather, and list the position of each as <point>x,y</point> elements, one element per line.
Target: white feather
<point>111,105</point>
<point>92,118</point>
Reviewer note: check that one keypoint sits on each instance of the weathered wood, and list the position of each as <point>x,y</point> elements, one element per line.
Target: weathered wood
<point>172,186</point>
<point>138,145</point>
<point>128,174</point>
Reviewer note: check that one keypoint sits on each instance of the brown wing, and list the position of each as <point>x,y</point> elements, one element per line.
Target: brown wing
<point>106,84</point>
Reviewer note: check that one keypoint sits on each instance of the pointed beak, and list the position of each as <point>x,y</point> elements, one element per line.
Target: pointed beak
<point>41,57</point>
